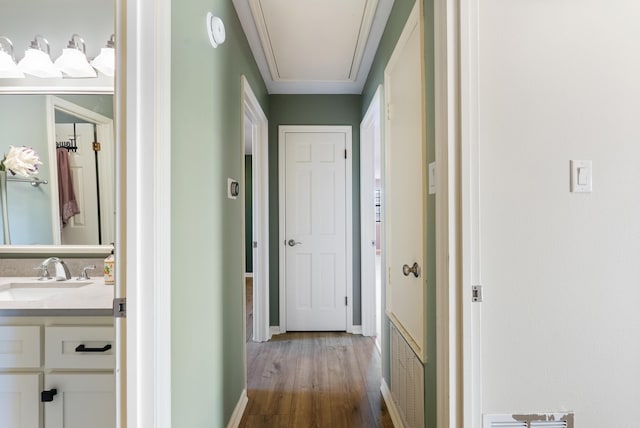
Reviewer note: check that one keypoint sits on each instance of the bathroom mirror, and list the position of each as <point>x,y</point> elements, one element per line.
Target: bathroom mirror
<point>24,102</point>
<point>62,129</point>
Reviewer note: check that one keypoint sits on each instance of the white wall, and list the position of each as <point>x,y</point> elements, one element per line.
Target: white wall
<point>560,80</point>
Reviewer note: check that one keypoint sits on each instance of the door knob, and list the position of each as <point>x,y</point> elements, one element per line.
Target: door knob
<point>415,270</point>
<point>293,243</point>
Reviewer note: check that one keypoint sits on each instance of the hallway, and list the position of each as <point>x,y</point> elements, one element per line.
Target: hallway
<point>314,379</point>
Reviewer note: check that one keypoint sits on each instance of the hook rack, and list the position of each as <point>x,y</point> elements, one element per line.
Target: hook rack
<point>35,181</point>
<point>69,145</point>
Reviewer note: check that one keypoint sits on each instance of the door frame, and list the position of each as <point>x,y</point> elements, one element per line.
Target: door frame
<point>260,185</point>
<point>143,276</point>
<point>347,130</point>
<point>469,257</point>
<point>373,120</point>
<point>106,163</point>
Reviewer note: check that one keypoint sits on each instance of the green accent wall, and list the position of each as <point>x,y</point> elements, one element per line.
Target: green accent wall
<point>395,24</point>
<point>248,213</point>
<point>311,110</point>
<point>207,295</point>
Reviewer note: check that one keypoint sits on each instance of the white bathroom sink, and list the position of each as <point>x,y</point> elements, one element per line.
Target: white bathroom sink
<point>37,290</point>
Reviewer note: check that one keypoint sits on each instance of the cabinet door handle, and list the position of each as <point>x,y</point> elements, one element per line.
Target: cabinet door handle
<point>82,348</point>
<point>47,396</point>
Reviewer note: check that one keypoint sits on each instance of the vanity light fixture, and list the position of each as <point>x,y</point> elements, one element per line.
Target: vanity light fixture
<point>73,61</point>
<point>105,62</point>
<point>8,67</point>
<point>36,61</point>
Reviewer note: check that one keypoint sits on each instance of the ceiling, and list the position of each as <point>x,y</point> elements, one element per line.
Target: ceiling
<point>314,46</point>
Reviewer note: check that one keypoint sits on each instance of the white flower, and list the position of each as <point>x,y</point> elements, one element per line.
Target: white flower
<point>23,161</point>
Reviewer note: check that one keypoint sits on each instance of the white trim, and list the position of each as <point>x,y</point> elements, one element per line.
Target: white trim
<point>260,176</point>
<point>275,330</point>
<point>248,274</point>
<point>469,262</point>
<point>79,250</point>
<point>372,121</point>
<point>382,12</point>
<point>349,226</point>
<point>392,408</point>
<point>106,170</point>
<point>348,212</point>
<point>447,128</point>
<point>100,85</point>
<point>238,411</point>
<point>143,120</point>
<point>356,329</point>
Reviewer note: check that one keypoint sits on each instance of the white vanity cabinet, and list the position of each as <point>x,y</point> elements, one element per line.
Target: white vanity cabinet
<point>57,372</point>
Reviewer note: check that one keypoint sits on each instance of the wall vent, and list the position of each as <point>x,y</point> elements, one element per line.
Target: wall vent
<point>539,420</point>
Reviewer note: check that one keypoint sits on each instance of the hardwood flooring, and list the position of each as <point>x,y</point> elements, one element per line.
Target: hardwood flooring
<point>305,380</point>
<point>249,307</point>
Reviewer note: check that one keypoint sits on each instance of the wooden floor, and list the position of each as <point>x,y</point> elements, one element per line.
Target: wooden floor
<point>300,380</point>
<point>249,307</point>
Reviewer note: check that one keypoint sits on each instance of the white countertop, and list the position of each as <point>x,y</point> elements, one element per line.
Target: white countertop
<point>94,298</point>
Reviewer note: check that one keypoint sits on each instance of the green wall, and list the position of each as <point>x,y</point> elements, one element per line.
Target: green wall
<point>248,213</point>
<point>206,230</point>
<point>311,110</point>
<point>23,122</point>
<point>399,14</point>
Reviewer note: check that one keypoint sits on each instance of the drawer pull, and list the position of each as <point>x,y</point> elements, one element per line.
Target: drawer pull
<point>82,348</point>
<point>47,396</point>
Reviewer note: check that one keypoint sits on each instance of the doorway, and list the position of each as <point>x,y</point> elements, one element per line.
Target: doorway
<point>84,140</point>
<point>371,218</point>
<point>256,220</point>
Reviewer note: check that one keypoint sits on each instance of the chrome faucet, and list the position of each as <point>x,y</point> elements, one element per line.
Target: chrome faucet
<point>62,271</point>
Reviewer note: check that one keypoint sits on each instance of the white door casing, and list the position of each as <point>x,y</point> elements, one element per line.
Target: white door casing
<point>315,253</point>
<point>405,178</point>
<point>370,135</point>
<point>260,185</point>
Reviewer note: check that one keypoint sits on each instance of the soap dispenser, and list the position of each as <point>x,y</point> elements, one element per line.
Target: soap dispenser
<point>109,269</point>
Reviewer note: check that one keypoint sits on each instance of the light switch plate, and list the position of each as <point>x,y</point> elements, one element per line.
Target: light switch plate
<point>432,178</point>
<point>581,176</point>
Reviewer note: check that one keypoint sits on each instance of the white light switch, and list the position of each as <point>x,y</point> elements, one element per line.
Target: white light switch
<point>581,176</point>
<point>432,178</point>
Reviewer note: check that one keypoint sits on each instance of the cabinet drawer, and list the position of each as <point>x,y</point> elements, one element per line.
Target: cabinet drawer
<point>20,347</point>
<point>79,347</point>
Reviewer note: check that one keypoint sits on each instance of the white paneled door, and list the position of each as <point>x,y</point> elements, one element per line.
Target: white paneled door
<point>405,195</point>
<point>315,227</point>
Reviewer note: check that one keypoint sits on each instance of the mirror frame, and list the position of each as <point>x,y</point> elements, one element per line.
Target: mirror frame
<point>102,87</point>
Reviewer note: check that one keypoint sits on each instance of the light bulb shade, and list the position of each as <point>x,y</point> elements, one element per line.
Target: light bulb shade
<point>8,68</point>
<point>105,63</point>
<point>73,63</point>
<point>37,63</point>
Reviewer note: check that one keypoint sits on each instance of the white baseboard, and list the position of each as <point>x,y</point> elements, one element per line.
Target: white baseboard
<point>248,275</point>
<point>236,417</point>
<point>356,329</point>
<point>391,405</point>
<point>274,330</point>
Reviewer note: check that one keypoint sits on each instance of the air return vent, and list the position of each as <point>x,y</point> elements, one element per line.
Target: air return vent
<point>542,420</point>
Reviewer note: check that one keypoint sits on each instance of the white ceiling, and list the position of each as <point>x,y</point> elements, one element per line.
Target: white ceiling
<point>314,46</point>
